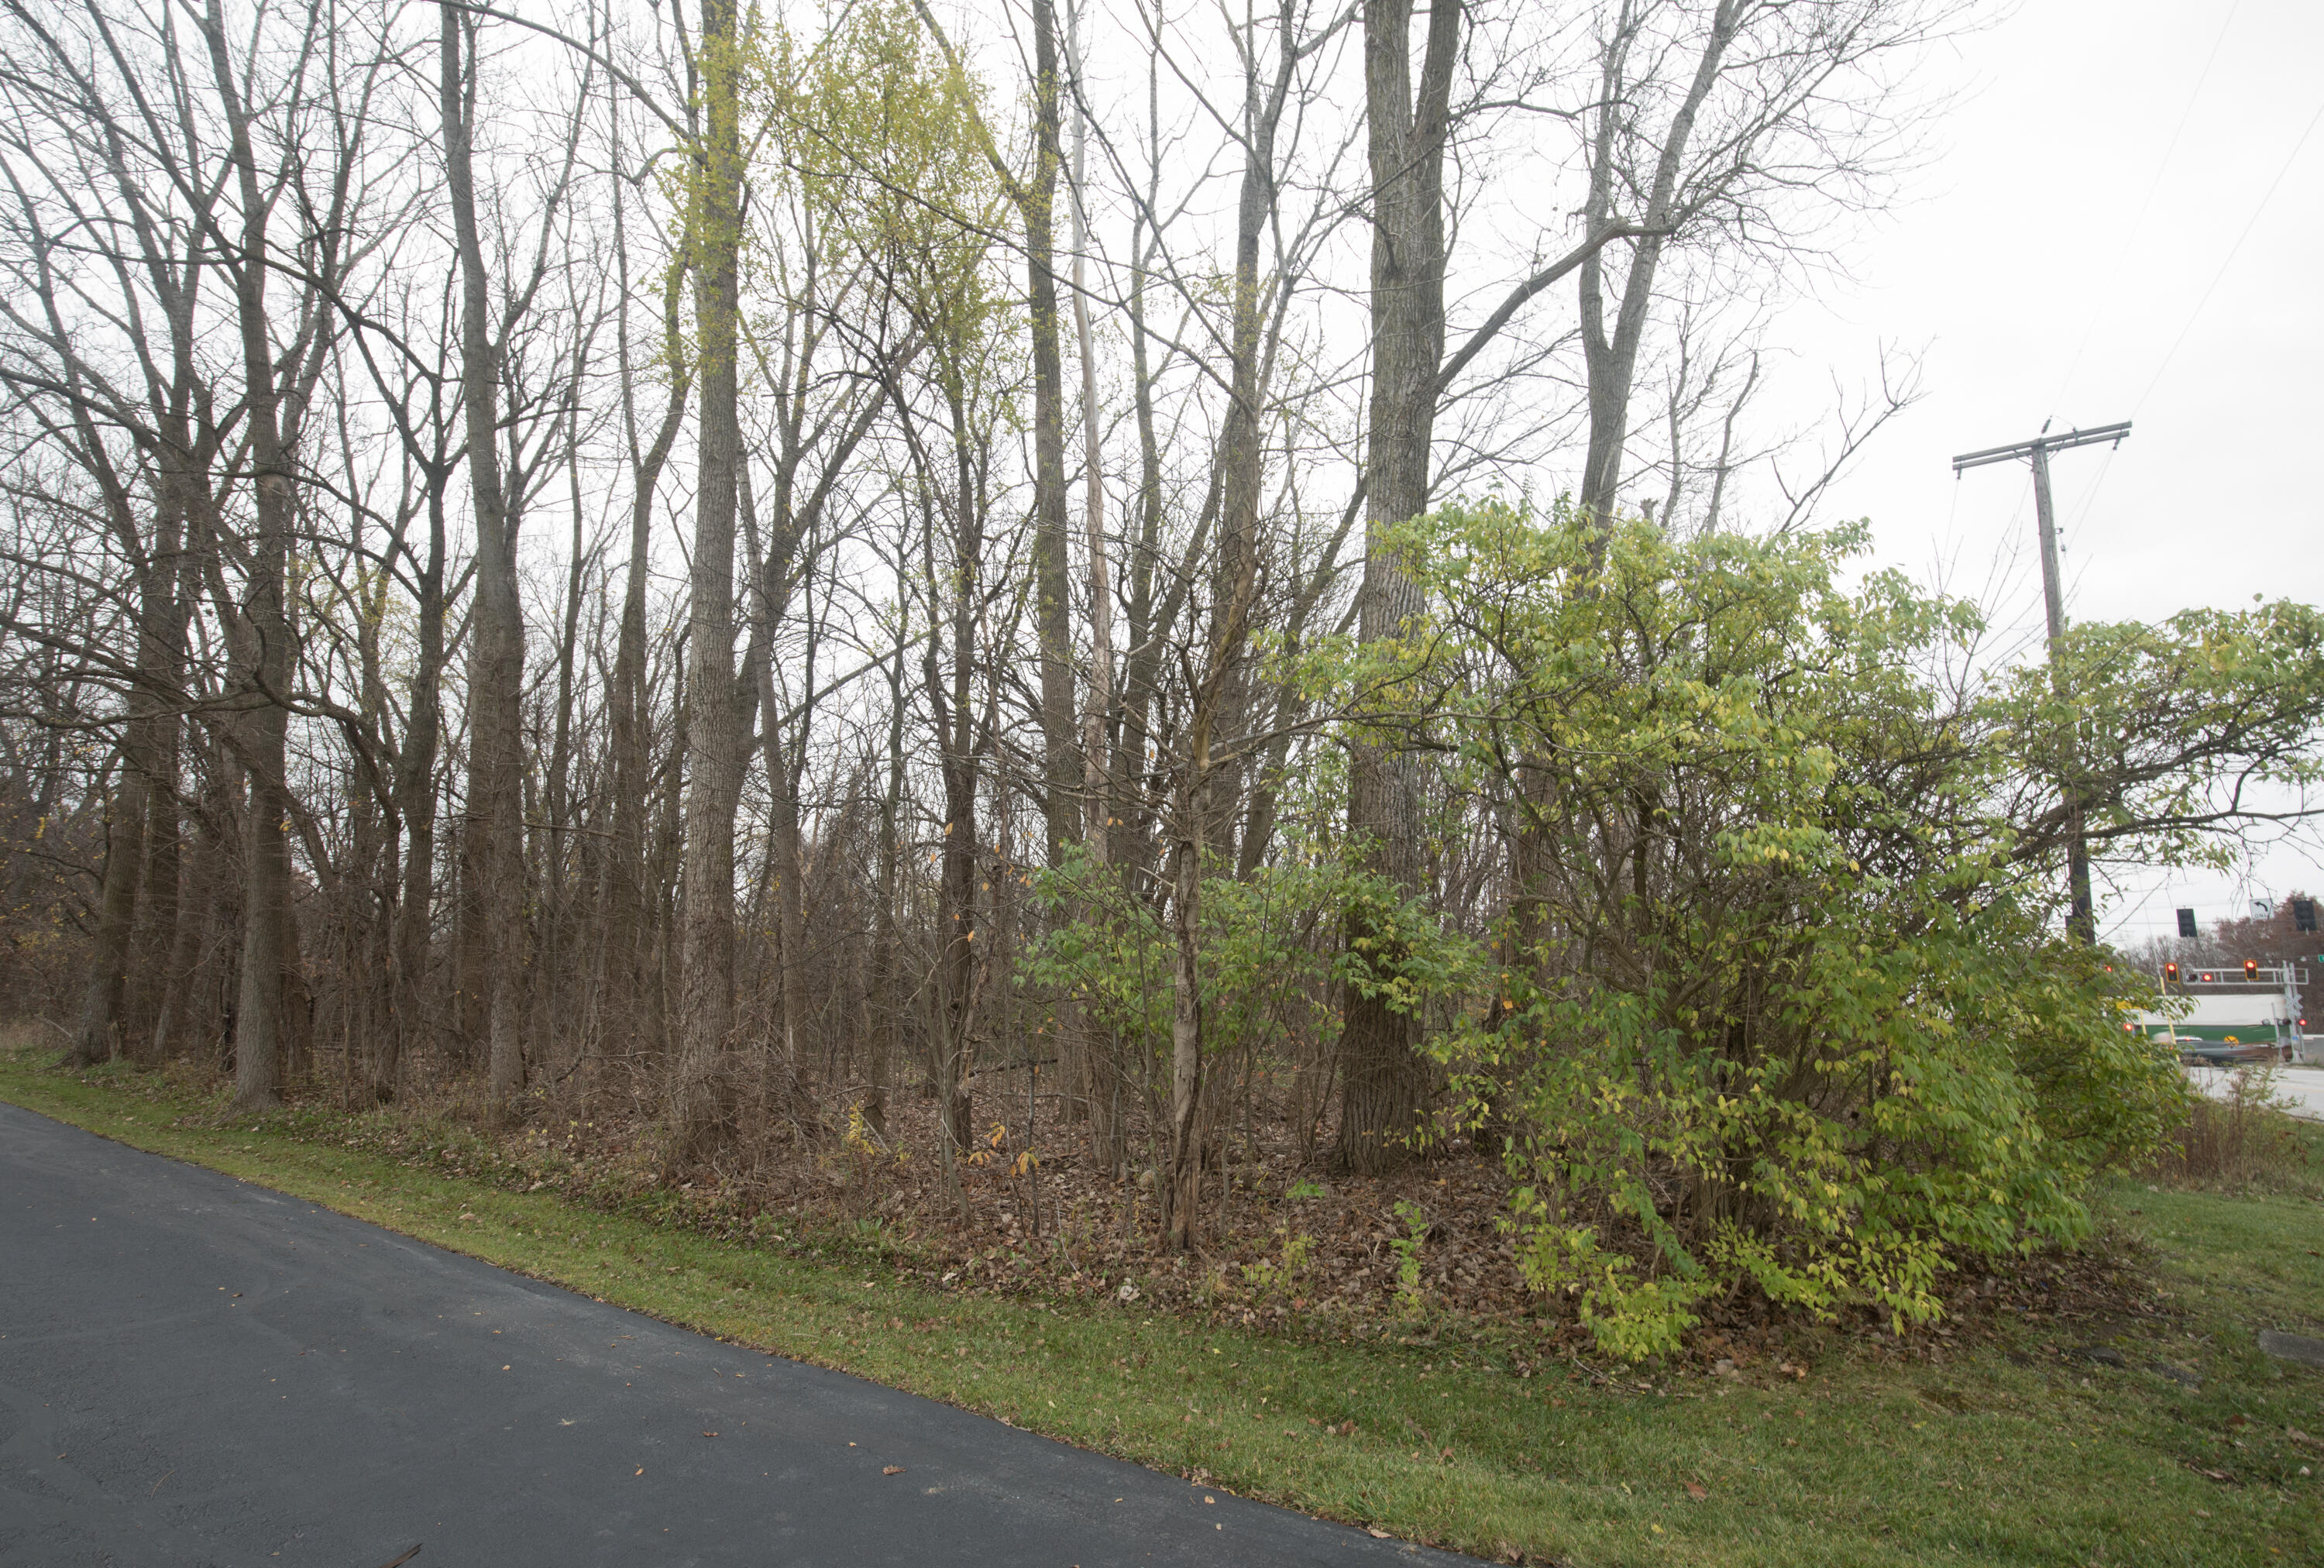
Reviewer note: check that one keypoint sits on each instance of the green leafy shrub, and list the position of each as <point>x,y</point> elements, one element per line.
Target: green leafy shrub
<point>1266,957</point>
<point>1408,1249</point>
<point>1775,1003</point>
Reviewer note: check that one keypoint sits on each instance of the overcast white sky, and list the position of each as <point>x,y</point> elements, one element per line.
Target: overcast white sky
<point>2116,225</point>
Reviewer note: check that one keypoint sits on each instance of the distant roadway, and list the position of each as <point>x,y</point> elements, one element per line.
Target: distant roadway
<point>2297,1090</point>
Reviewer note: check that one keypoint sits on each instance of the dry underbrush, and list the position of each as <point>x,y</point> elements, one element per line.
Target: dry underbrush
<point>1290,1245</point>
<point>2241,1142</point>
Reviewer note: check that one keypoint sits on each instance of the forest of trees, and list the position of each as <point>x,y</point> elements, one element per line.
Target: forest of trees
<point>964,583</point>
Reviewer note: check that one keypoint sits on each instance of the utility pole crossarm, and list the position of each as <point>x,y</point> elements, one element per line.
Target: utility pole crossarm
<point>2082,920</point>
<point>2089,438</point>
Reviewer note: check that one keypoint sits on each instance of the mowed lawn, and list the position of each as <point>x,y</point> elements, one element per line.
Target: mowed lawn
<point>2025,1444</point>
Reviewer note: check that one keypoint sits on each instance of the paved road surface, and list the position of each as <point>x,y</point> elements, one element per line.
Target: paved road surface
<point>196,1371</point>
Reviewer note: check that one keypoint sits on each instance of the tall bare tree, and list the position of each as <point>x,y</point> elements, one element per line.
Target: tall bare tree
<point>494,838</point>
<point>713,760</point>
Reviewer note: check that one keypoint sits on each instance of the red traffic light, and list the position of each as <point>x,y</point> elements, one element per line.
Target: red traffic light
<point>2170,972</point>
<point>2250,969</point>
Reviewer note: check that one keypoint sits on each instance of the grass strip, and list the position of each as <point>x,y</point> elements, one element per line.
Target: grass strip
<point>2017,1452</point>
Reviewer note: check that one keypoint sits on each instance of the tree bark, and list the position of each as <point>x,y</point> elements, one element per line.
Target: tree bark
<point>634,1000</point>
<point>160,908</point>
<point>258,1035</point>
<point>1382,1079</point>
<point>96,1038</point>
<point>1611,358</point>
<point>1061,780</point>
<point>204,870</point>
<point>884,1014</point>
<point>1089,1066</point>
<point>416,800</point>
<point>701,1107</point>
<point>161,649</point>
<point>1182,1189</point>
<point>495,829</point>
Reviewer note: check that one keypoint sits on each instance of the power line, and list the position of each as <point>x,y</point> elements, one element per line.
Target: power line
<point>2122,252</point>
<point>2229,259</point>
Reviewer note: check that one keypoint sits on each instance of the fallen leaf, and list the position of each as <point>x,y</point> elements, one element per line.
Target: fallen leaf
<point>641,1470</point>
<point>1376,1535</point>
<point>710,1434</point>
<point>891,1470</point>
<point>1696,1492</point>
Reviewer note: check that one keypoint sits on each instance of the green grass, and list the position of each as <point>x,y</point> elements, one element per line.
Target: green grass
<point>2010,1451</point>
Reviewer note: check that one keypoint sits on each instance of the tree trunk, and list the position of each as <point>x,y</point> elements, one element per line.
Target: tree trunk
<point>97,1037</point>
<point>1610,359</point>
<point>558,976</point>
<point>1381,1077</point>
<point>713,756</point>
<point>1061,779</point>
<point>196,912</point>
<point>956,911</point>
<point>887,957</point>
<point>265,626</point>
<point>496,679</point>
<point>160,910</point>
<point>415,791</point>
<point>632,1005</point>
<point>160,651</point>
<point>1089,1068</point>
<point>1182,1189</point>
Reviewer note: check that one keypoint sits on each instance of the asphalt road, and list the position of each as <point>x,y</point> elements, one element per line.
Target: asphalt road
<point>197,1371</point>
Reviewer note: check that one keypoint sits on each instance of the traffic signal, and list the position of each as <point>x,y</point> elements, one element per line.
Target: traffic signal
<point>2169,974</point>
<point>2304,914</point>
<point>2187,922</point>
<point>2250,969</point>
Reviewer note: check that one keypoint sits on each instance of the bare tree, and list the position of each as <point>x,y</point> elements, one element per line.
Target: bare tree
<point>713,760</point>
<point>1722,122</point>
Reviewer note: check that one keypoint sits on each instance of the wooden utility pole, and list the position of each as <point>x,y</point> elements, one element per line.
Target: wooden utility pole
<point>2081,923</point>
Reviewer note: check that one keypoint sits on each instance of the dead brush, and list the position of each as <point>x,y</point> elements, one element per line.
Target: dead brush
<point>2241,1140</point>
